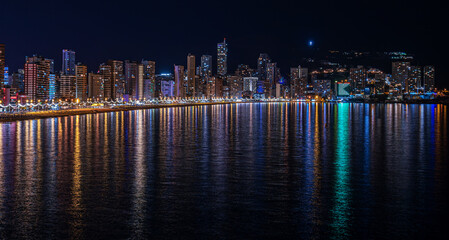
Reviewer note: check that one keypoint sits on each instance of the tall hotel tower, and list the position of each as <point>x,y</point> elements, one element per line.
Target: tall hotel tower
<point>222,58</point>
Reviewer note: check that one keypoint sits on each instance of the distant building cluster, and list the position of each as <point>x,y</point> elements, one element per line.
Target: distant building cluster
<point>116,79</point>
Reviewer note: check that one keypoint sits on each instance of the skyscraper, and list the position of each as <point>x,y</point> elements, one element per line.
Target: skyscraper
<point>415,79</point>
<point>429,78</point>
<point>96,90</point>
<point>52,86</point>
<point>357,77</point>
<point>139,88</point>
<point>179,82</point>
<point>400,73</point>
<point>130,77</point>
<point>294,82</point>
<point>68,62</point>
<point>273,77</point>
<point>67,87</point>
<point>206,65</point>
<point>106,79</point>
<point>149,79</point>
<point>222,58</point>
<point>118,79</point>
<point>262,62</point>
<point>2,65</point>
<point>262,66</point>
<point>81,81</point>
<point>191,75</point>
<point>36,79</point>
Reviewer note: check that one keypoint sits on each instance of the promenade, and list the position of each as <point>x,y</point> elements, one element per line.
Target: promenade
<point>8,117</point>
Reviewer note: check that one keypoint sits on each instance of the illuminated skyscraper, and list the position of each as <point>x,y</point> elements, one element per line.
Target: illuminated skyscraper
<point>294,82</point>
<point>36,77</point>
<point>191,75</point>
<point>96,90</point>
<point>52,86</point>
<point>222,58</point>
<point>130,77</point>
<point>68,62</point>
<point>179,90</point>
<point>262,66</point>
<point>273,77</point>
<point>2,66</point>
<point>81,81</point>
<point>206,65</point>
<point>357,77</point>
<point>262,62</point>
<point>250,84</point>
<point>106,79</point>
<point>17,81</point>
<point>415,79</point>
<point>429,78</point>
<point>139,88</point>
<point>67,87</point>
<point>244,70</point>
<point>118,79</point>
<point>400,73</point>
<point>6,77</point>
<point>149,79</point>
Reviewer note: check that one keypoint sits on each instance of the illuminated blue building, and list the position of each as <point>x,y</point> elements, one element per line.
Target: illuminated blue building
<point>206,65</point>
<point>6,78</point>
<point>222,58</point>
<point>51,86</point>
<point>68,62</point>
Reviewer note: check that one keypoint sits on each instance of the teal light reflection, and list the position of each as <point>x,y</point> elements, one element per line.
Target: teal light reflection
<point>340,211</point>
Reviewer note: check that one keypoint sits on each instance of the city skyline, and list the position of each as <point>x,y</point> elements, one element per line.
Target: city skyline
<point>284,35</point>
<point>316,76</point>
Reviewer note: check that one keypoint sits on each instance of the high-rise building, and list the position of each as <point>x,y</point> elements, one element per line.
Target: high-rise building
<point>429,78</point>
<point>36,77</point>
<point>81,81</point>
<point>415,79</point>
<point>400,73</point>
<point>191,75</point>
<point>96,91</point>
<point>118,79</point>
<point>250,84</point>
<point>149,78</point>
<point>6,76</point>
<point>273,77</point>
<point>167,88</point>
<point>222,58</point>
<point>68,62</point>
<point>2,65</point>
<point>179,90</point>
<point>294,82</point>
<point>357,77</point>
<point>206,65</point>
<point>17,81</point>
<point>106,78</point>
<point>244,70</point>
<point>52,86</point>
<point>67,87</point>
<point>139,88</point>
<point>130,77</point>
<point>262,62</point>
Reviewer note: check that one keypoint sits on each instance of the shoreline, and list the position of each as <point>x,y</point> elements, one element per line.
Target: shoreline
<point>83,111</point>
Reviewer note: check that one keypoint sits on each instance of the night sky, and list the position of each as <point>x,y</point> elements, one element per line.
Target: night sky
<point>166,31</point>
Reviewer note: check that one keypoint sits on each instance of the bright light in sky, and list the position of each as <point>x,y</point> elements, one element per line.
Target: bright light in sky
<point>310,43</point>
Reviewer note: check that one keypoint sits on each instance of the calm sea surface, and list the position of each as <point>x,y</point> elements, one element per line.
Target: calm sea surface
<point>247,171</point>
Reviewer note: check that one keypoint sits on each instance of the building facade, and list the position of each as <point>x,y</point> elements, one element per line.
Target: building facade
<point>222,58</point>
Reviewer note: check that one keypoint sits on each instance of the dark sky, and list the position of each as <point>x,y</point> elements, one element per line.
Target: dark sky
<point>166,31</point>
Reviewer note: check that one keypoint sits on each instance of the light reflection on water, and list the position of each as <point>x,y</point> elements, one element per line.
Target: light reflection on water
<point>228,171</point>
